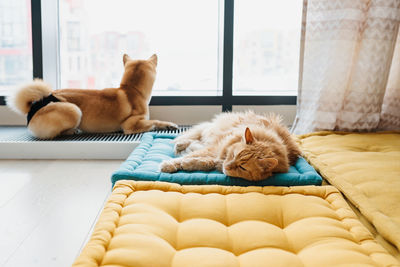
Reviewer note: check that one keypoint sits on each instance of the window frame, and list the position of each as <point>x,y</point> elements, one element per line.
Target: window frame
<point>45,56</point>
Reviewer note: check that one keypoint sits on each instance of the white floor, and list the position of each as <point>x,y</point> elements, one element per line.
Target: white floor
<point>48,207</point>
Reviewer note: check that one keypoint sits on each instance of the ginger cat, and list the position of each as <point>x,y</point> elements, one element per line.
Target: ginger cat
<point>242,145</point>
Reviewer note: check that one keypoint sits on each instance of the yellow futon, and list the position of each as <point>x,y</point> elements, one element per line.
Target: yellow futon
<point>161,224</point>
<point>365,167</point>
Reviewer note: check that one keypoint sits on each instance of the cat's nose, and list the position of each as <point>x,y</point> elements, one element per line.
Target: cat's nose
<point>228,166</point>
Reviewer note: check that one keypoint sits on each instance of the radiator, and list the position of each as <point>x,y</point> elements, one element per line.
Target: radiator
<point>18,143</point>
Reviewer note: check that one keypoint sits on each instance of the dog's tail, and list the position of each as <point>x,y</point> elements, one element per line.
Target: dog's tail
<point>21,100</point>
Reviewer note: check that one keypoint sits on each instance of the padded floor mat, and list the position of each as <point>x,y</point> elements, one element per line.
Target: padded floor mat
<point>143,165</point>
<point>164,224</point>
<point>365,167</point>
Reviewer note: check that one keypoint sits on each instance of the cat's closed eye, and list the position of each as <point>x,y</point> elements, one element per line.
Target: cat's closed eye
<point>240,166</point>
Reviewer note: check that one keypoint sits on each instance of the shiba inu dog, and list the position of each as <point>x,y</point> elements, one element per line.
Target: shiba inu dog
<point>51,113</point>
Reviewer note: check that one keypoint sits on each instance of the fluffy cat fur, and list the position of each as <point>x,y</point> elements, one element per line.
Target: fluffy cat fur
<point>108,110</point>
<point>244,145</point>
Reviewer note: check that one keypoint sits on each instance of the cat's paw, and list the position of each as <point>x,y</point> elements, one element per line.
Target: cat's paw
<point>181,146</point>
<point>168,166</point>
<point>198,164</point>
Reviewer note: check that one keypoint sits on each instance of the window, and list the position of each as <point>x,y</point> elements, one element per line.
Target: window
<point>15,43</point>
<point>95,34</point>
<point>211,52</point>
<point>266,47</point>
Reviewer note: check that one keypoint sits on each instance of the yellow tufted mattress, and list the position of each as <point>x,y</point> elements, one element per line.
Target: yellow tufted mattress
<point>160,224</point>
<point>365,167</point>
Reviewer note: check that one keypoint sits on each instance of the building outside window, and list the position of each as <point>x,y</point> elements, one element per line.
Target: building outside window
<point>188,39</point>
<point>15,43</point>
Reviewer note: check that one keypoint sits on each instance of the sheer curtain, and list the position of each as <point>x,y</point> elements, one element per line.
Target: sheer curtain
<point>350,66</point>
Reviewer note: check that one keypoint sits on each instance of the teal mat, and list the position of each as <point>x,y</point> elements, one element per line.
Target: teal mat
<point>144,163</point>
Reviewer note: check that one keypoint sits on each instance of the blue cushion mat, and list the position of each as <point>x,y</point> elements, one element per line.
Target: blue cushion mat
<point>144,162</point>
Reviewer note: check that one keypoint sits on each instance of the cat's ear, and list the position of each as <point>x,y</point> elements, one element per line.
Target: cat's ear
<point>248,136</point>
<point>268,164</point>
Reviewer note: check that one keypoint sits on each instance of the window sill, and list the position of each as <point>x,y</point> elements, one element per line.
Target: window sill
<point>181,114</point>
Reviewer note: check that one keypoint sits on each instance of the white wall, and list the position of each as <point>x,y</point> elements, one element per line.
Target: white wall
<point>9,117</point>
<point>184,115</point>
<point>288,112</point>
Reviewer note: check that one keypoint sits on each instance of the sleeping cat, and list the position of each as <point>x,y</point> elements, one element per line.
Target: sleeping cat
<point>244,145</point>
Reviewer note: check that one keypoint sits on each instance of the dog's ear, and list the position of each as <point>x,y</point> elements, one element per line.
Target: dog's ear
<point>153,59</point>
<point>125,59</point>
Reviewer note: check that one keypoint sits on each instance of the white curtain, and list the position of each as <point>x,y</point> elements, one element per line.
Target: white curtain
<point>350,66</point>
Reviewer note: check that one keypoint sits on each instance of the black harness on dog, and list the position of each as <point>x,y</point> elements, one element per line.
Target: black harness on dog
<point>36,105</point>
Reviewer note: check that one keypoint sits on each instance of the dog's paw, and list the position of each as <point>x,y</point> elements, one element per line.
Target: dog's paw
<point>72,132</point>
<point>165,125</point>
<point>172,126</point>
<point>168,166</point>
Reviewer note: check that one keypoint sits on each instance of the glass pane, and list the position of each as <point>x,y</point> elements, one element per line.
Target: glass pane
<point>15,43</point>
<point>266,47</point>
<point>184,34</point>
